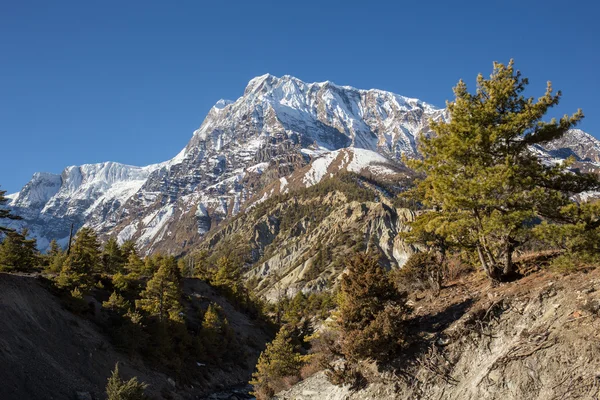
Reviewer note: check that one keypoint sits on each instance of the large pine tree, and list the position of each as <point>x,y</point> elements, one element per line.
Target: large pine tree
<point>484,185</point>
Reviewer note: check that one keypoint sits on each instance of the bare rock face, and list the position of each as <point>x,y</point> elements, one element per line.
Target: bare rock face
<point>577,143</point>
<point>297,241</point>
<point>276,127</point>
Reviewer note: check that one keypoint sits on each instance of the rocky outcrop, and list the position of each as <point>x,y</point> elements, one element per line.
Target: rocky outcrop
<point>349,226</point>
<point>297,241</point>
<point>577,143</point>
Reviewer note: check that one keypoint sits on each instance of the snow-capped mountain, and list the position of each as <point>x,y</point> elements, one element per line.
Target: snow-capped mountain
<point>276,127</point>
<point>577,143</point>
<point>49,203</point>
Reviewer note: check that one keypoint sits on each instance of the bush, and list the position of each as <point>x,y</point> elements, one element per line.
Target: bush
<point>324,351</point>
<point>422,271</point>
<point>118,389</point>
<point>130,333</point>
<point>573,261</point>
<point>456,267</point>
<point>75,301</point>
<point>117,304</point>
<point>579,237</point>
<point>347,374</point>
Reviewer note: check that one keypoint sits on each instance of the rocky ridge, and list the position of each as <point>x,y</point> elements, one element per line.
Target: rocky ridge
<point>296,242</point>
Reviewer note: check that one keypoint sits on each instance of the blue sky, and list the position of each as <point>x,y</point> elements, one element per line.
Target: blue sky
<point>128,81</point>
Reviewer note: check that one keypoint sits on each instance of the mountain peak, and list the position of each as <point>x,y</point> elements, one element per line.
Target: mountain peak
<point>578,143</point>
<point>288,85</point>
<point>259,82</point>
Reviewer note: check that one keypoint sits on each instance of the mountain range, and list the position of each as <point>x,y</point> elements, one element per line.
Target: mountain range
<point>280,135</point>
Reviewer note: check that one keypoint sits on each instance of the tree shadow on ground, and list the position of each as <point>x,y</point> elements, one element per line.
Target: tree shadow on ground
<point>427,331</point>
<point>438,322</point>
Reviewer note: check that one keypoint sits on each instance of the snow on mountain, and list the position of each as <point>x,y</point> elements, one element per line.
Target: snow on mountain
<point>278,126</point>
<point>349,159</point>
<point>36,193</point>
<point>581,145</point>
<point>326,114</point>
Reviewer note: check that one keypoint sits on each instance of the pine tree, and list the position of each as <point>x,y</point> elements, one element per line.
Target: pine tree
<point>55,257</point>
<point>228,276</point>
<point>83,262</point>
<point>483,185</point>
<point>151,264</point>
<point>17,252</point>
<point>216,332</point>
<point>128,248</point>
<point>278,361</point>
<point>132,270</point>
<point>371,311</point>
<point>212,321</point>
<point>118,389</point>
<point>112,257</point>
<point>6,214</point>
<point>54,249</point>
<point>296,310</point>
<point>162,295</point>
<point>117,304</point>
<point>134,264</point>
<point>203,269</point>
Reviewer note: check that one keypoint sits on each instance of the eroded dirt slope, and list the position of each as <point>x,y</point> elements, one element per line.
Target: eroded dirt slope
<point>47,352</point>
<point>536,338</point>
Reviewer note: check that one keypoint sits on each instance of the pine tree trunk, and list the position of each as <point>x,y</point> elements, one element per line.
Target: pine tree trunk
<point>484,263</point>
<point>508,262</point>
<point>491,270</point>
<point>70,239</point>
<point>484,251</point>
